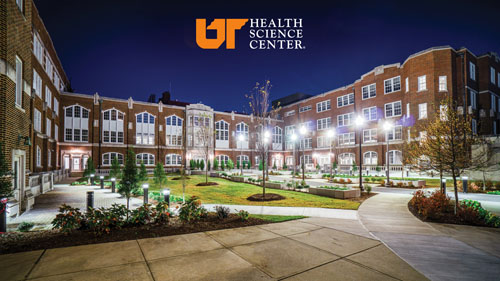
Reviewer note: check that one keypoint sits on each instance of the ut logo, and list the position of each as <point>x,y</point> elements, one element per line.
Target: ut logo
<point>226,29</point>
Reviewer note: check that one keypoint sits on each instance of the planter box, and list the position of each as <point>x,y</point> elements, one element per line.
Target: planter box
<point>332,193</point>
<point>419,183</point>
<point>273,185</point>
<point>197,172</point>
<point>237,179</point>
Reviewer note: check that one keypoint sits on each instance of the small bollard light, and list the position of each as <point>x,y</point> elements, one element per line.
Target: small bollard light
<point>443,185</point>
<point>92,179</point>
<point>464,183</point>
<point>90,200</point>
<point>145,189</point>
<point>113,185</point>
<point>367,172</point>
<point>166,196</point>
<point>102,181</point>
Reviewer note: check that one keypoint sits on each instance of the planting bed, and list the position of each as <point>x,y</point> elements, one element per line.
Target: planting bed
<point>269,197</point>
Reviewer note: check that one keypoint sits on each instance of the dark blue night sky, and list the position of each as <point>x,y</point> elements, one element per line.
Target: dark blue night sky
<point>137,48</point>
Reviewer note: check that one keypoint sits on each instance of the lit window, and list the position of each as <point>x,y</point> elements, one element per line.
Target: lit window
<point>19,82</point>
<point>370,113</point>
<point>370,135</point>
<point>146,158</point>
<point>144,128</point>
<point>221,130</point>
<point>324,123</point>
<point>369,91</point>
<point>38,156</point>
<point>472,71</point>
<point>407,84</point>
<point>323,106</point>
<point>370,158</point>
<point>442,84</point>
<point>422,83</point>
<point>76,125</point>
<point>393,109</point>
<point>107,158</point>
<point>173,160</point>
<point>422,111</point>
<point>173,130</point>
<point>345,100</point>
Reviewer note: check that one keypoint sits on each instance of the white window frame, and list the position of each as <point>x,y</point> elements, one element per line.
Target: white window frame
<point>305,143</point>
<point>407,84</point>
<point>78,125</point>
<point>370,113</point>
<point>289,113</point>
<point>38,156</point>
<point>473,98</point>
<point>372,158</point>
<point>422,83</point>
<point>396,133</point>
<point>37,83</point>
<point>173,159</point>
<point>393,155</point>
<point>48,96</point>
<point>392,85</point>
<point>112,126</point>
<point>107,158</point>
<point>345,120</point>
<point>492,75</point>
<point>345,100</point>
<point>277,135</point>
<point>422,111</point>
<point>19,82</point>
<point>221,130</point>
<point>324,123</point>
<point>147,158</point>
<point>369,90</point>
<point>346,158</point>
<point>242,129</point>
<point>222,159</point>
<point>37,116</point>
<point>472,71</point>
<point>323,106</point>
<point>393,109</point>
<point>48,127</point>
<point>305,108</point>
<point>173,131</point>
<point>55,109</point>
<point>56,132</point>
<point>145,131</point>
<point>443,83</point>
<point>370,135</point>
<point>347,139</point>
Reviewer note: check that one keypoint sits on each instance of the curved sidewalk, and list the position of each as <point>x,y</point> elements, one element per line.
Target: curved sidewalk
<point>439,251</point>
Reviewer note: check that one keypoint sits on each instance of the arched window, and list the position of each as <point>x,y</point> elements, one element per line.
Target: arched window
<point>242,129</point>
<point>144,128</point>
<point>173,130</point>
<point>146,158</point>
<point>76,124</point>
<point>277,135</point>
<point>370,158</point>
<point>107,158</point>
<point>112,126</point>
<point>244,158</point>
<point>173,160</point>
<point>221,130</point>
<point>222,159</point>
<point>346,158</point>
<point>38,156</point>
<point>395,157</point>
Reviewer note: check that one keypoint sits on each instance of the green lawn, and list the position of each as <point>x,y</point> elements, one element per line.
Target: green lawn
<point>235,193</point>
<point>276,218</point>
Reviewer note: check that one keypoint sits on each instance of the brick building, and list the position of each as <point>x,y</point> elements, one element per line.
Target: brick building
<point>48,131</point>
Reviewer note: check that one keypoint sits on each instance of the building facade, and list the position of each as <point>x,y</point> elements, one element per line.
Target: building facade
<point>48,131</point>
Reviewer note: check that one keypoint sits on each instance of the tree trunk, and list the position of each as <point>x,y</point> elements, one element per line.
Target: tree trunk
<point>263,181</point>
<point>484,180</point>
<point>456,189</point>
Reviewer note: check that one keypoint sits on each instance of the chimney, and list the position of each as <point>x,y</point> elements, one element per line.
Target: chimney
<point>165,97</point>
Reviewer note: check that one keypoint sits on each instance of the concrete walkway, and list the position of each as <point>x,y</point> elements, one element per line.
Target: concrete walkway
<point>439,251</point>
<point>307,249</point>
<point>290,211</point>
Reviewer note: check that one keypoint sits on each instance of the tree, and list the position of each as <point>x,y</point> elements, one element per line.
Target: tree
<point>446,145</point>
<point>204,134</point>
<point>191,164</point>
<point>334,169</point>
<point>216,164</point>
<point>90,169</point>
<point>354,167</point>
<point>484,160</point>
<point>249,163</point>
<point>222,165</point>
<point>261,166</point>
<point>202,165</point>
<point>238,165</point>
<point>274,165</point>
<point>285,167</point>
<point>129,182</point>
<point>263,112</point>
<point>143,173</point>
<point>115,170</point>
<point>5,181</point>
<point>159,174</point>
<point>197,164</point>
<point>208,165</point>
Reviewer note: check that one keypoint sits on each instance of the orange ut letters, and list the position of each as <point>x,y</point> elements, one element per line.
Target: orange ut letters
<point>226,29</point>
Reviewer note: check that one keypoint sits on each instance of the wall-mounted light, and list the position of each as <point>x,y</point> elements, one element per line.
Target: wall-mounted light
<point>27,140</point>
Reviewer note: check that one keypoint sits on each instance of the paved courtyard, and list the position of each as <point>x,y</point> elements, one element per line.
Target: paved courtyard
<point>307,249</point>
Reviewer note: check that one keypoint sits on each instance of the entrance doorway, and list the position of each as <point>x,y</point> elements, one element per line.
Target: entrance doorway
<point>76,164</point>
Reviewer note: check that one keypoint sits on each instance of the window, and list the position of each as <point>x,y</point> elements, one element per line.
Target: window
<point>38,156</point>
<point>422,111</point>
<point>48,127</point>
<point>37,83</point>
<point>422,83</point>
<point>144,128</point>
<point>221,130</point>
<point>345,119</point>
<point>323,106</point>
<point>49,158</point>
<point>37,47</point>
<point>324,123</point>
<point>19,82</point>
<point>347,139</point>
<point>107,158</point>
<point>20,5</point>
<point>474,126</point>
<point>146,158</point>
<point>396,133</point>
<point>307,159</point>
<point>407,84</point>
<point>289,113</point>
<point>492,75</point>
<point>370,113</point>
<point>306,143</point>
<point>369,91</point>
<point>48,97</point>
<point>173,130</point>
<point>395,157</point>
<point>323,141</point>
<point>173,160</point>
<point>56,106</point>
<point>443,112</point>
<point>277,135</point>
<point>370,135</point>
<point>289,130</point>
<point>493,103</point>
<point>305,108</point>
<point>392,85</point>
<point>408,110</point>
<point>442,84</point>
<point>345,100</point>
<point>48,66</point>
<point>38,120</point>
<point>473,99</point>
<point>56,132</point>
<point>244,159</point>
<point>370,158</point>
<point>242,129</point>
<point>472,71</point>
<point>112,126</point>
<point>346,158</point>
<point>76,124</point>
<point>222,159</point>
<point>393,109</point>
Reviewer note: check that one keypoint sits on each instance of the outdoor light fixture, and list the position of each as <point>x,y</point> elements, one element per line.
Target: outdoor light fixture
<point>331,135</point>
<point>145,188</point>
<point>102,181</point>
<point>387,126</point>
<point>443,185</point>
<point>27,140</point>
<point>166,196</point>
<point>113,185</point>
<point>92,179</point>
<point>303,130</point>
<point>464,183</point>
<point>360,120</point>
<point>294,137</point>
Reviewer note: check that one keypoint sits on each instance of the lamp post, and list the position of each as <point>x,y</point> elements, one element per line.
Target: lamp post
<point>294,140</point>
<point>331,136</point>
<point>267,136</point>
<point>303,132</point>
<point>241,138</point>
<point>166,196</point>
<point>92,179</point>
<point>145,189</point>
<point>113,185</point>
<point>387,127</point>
<point>102,181</point>
<point>464,183</point>
<point>360,120</point>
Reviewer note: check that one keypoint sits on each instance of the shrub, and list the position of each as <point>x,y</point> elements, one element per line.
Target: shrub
<point>25,226</point>
<point>141,215</point>
<point>68,219</point>
<point>342,181</point>
<point>430,207</point>
<point>368,189</point>
<point>222,212</point>
<point>489,184</point>
<point>496,192</point>
<point>485,215</point>
<point>349,181</point>
<point>243,215</point>
<point>497,185</point>
<point>192,210</point>
<point>161,213</point>
<point>400,184</point>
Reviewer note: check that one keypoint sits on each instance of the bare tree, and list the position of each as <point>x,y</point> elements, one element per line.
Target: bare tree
<point>484,155</point>
<point>204,138</point>
<point>263,113</point>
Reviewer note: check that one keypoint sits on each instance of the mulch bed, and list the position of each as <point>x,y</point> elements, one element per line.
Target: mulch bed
<point>269,197</point>
<point>450,218</point>
<point>14,242</point>
<point>179,178</point>
<point>207,183</point>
